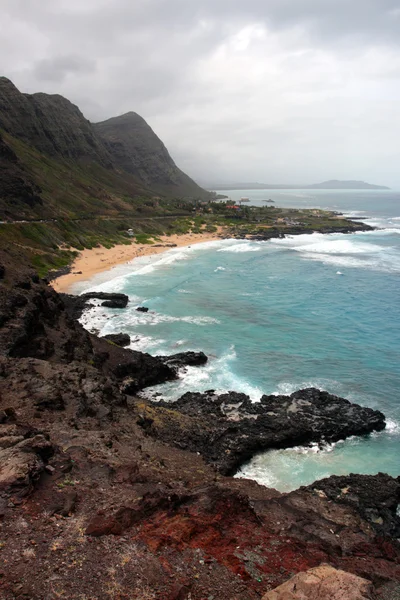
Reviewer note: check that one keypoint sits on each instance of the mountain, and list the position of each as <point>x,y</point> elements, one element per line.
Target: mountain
<point>51,124</point>
<point>54,162</point>
<point>333,184</point>
<point>336,184</point>
<point>136,149</point>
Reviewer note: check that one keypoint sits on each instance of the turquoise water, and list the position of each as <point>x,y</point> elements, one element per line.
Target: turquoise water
<point>311,310</point>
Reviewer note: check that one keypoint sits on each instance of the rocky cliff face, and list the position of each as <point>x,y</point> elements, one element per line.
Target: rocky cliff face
<point>50,123</point>
<point>136,149</point>
<point>54,126</point>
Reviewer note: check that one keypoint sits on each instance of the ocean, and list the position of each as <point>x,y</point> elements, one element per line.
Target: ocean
<point>273,317</point>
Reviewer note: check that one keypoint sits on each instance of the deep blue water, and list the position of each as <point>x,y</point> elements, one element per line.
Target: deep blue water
<point>312,310</point>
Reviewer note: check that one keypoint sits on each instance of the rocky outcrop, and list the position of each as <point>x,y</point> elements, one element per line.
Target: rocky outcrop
<point>229,429</point>
<point>323,583</point>
<point>24,453</point>
<point>136,149</point>
<point>121,339</point>
<point>132,369</point>
<point>76,305</point>
<point>142,309</point>
<point>36,322</point>
<point>185,359</point>
<point>375,497</point>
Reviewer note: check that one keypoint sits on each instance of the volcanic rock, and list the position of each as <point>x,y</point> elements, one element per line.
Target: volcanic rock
<point>22,460</point>
<point>121,339</point>
<point>185,359</point>
<point>323,583</point>
<point>229,429</point>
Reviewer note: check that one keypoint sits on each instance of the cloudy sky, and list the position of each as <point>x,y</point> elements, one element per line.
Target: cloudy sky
<point>239,90</point>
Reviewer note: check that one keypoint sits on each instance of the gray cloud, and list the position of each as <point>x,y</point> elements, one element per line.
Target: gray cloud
<point>59,67</point>
<point>263,89</point>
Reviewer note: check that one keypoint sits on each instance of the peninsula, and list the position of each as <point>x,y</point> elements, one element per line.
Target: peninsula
<point>333,184</point>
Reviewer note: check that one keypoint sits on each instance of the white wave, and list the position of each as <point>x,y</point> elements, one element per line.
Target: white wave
<point>146,343</point>
<point>182,291</point>
<point>339,273</point>
<point>392,426</point>
<point>285,388</point>
<point>242,247</point>
<point>353,213</point>
<point>218,374</point>
<point>115,278</point>
<point>389,263</point>
<point>395,218</point>
<point>219,269</point>
<point>340,247</point>
<point>341,251</point>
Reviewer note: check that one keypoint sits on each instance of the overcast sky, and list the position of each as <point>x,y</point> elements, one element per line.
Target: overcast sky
<point>239,90</point>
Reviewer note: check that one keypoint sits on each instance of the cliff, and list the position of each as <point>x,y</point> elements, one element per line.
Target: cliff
<point>49,123</point>
<point>136,149</point>
<point>80,169</point>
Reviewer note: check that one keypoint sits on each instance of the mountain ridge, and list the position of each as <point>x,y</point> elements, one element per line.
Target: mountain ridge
<point>39,129</point>
<point>332,184</point>
<point>139,151</point>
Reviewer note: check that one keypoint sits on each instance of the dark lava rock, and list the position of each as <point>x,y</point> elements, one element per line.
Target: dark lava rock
<point>133,370</point>
<point>75,305</point>
<point>143,309</point>
<point>23,456</point>
<point>121,339</point>
<point>375,497</point>
<point>229,429</point>
<point>114,303</point>
<point>185,359</point>
<point>110,300</point>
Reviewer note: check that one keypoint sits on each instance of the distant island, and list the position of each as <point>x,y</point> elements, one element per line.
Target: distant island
<point>332,184</point>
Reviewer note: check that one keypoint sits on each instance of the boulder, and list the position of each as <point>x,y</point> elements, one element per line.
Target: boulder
<point>117,303</point>
<point>185,359</point>
<point>22,461</point>
<point>323,583</point>
<point>143,309</point>
<point>121,339</point>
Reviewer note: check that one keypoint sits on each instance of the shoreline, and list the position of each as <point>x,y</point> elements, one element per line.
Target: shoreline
<point>90,262</point>
<point>97,260</point>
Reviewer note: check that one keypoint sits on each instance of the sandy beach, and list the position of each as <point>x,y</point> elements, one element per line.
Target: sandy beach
<point>96,260</point>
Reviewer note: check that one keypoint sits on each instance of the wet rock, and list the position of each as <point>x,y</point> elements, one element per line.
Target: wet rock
<point>229,429</point>
<point>323,583</point>
<point>116,303</point>
<point>184,359</point>
<point>121,339</point>
<point>143,309</point>
<point>76,305</point>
